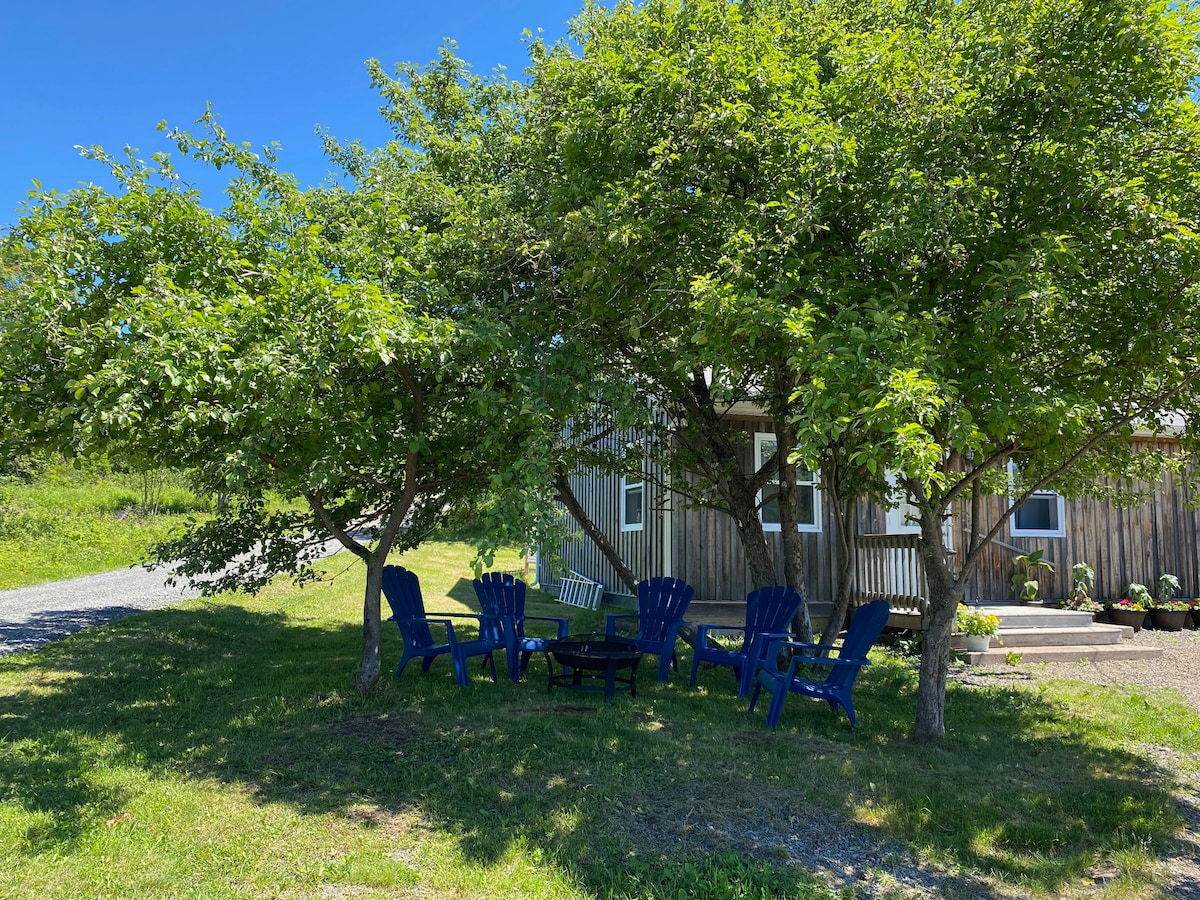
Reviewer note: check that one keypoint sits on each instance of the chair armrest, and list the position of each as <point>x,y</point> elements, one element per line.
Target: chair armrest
<point>769,658</point>
<point>610,627</point>
<point>444,623</point>
<point>765,639</point>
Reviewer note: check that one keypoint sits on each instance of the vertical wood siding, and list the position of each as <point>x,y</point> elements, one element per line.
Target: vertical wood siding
<point>1123,545</point>
<point>600,495</point>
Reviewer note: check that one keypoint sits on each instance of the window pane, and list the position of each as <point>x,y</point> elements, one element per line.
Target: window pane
<point>1038,513</point>
<point>633,504</point>
<point>770,508</point>
<point>807,504</point>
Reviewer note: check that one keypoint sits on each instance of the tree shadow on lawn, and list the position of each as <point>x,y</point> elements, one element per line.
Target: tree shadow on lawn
<point>640,788</point>
<point>54,625</point>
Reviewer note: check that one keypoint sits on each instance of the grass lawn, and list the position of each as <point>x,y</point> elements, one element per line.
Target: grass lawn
<point>216,749</point>
<point>70,522</point>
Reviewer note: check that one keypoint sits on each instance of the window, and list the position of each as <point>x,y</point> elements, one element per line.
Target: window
<point>633,491</point>
<point>1042,515</point>
<point>808,497</point>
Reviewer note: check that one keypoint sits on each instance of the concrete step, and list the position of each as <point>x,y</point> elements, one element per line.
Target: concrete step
<point>1063,637</point>
<point>1038,617</point>
<point>999,656</point>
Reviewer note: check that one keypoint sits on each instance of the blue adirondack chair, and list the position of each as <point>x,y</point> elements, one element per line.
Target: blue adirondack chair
<point>661,605</point>
<point>502,599</point>
<point>868,624</point>
<point>403,593</point>
<point>769,614</point>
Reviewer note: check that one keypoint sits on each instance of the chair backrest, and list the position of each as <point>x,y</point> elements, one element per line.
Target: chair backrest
<point>500,594</point>
<point>661,603</point>
<point>403,592</point>
<point>868,624</point>
<point>770,610</point>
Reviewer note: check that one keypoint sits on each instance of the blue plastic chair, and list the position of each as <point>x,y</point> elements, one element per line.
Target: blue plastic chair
<point>403,593</point>
<point>769,614</point>
<point>502,599</point>
<point>662,603</point>
<point>835,688</point>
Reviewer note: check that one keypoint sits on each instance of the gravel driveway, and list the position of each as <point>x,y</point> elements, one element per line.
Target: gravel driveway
<point>32,616</point>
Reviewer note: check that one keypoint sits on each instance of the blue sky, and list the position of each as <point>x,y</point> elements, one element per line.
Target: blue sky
<point>97,73</point>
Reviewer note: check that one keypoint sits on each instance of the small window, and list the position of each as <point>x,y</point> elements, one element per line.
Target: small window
<point>1042,515</point>
<point>808,497</point>
<point>633,492</point>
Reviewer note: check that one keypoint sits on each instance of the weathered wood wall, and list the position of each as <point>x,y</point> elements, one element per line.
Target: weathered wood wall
<point>708,554</point>
<point>1123,545</point>
<point>644,551</point>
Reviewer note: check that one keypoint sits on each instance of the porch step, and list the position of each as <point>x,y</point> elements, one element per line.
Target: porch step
<point>1097,635</point>
<point>999,656</point>
<point>1038,617</point>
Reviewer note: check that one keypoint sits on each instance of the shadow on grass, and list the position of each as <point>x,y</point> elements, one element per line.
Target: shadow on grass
<point>54,625</point>
<point>672,790</point>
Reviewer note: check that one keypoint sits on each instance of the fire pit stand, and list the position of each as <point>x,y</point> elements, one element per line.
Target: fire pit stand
<point>592,663</point>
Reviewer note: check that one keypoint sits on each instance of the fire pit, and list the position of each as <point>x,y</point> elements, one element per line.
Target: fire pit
<point>593,658</point>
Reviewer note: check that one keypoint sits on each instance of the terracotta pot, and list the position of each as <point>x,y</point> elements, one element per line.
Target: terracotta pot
<point>1168,619</point>
<point>1135,619</point>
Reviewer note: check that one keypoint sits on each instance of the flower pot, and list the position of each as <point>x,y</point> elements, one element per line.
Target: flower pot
<point>1134,618</point>
<point>977,643</point>
<point>1168,619</point>
<point>1195,612</point>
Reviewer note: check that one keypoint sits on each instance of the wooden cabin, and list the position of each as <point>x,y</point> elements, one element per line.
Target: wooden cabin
<point>658,533</point>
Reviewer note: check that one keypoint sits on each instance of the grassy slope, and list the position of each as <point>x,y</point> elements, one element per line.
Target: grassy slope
<point>70,523</point>
<point>217,750</point>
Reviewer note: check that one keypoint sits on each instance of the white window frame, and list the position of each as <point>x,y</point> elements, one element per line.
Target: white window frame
<point>898,518</point>
<point>1046,493</point>
<point>768,437</point>
<point>628,484</point>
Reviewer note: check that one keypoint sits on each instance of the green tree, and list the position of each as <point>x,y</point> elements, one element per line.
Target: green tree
<point>1019,259</point>
<point>334,345</point>
<point>933,238</point>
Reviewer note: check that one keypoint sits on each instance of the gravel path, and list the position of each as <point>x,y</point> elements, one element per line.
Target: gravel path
<point>32,616</point>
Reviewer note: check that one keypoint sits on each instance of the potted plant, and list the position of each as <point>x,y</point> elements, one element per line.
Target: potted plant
<point>1024,583</point>
<point>1167,614</point>
<point>1194,609</point>
<point>1083,577</point>
<point>978,626</point>
<point>1131,609</point>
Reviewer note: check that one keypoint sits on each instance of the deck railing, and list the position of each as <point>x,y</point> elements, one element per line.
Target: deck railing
<point>889,567</point>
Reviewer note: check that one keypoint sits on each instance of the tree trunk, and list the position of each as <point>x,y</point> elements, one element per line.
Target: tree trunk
<point>372,647</point>
<point>945,592</point>
<point>844,522</point>
<point>566,496</point>
<point>754,545</point>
